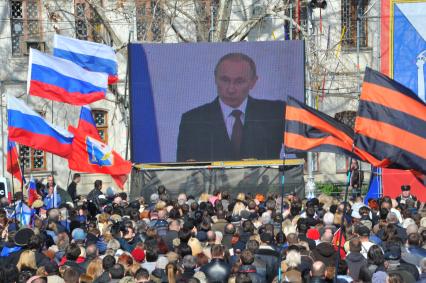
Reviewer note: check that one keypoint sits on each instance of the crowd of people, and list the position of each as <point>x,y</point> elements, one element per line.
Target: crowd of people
<point>106,237</point>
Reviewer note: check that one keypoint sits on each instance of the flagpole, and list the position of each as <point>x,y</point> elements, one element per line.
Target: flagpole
<point>345,205</point>
<point>125,100</point>
<point>282,169</point>
<point>13,189</point>
<point>2,130</point>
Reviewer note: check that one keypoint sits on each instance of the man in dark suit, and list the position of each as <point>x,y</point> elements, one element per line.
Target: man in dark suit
<point>234,126</point>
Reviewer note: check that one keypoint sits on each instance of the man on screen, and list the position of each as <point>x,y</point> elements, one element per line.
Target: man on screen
<point>235,125</point>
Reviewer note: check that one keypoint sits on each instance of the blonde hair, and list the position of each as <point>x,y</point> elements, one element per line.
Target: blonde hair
<point>238,207</point>
<point>94,269</point>
<point>27,260</point>
<point>241,196</point>
<point>293,258</point>
<point>204,197</point>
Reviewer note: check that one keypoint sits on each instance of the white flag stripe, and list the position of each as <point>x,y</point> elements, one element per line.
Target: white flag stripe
<point>84,47</point>
<point>68,68</point>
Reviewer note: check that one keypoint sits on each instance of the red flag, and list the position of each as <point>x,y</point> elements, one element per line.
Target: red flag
<point>87,125</point>
<point>92,156</point>
<point>13,162</point>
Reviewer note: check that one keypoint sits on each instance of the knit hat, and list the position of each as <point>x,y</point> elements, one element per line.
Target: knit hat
<point>78,234</point>
<point>138,254</point>
<point>313,234</point>
<point>161,262</point>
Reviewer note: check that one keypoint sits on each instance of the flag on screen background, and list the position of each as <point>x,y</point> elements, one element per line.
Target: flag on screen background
<point>32,191</point>
<point>64,81</point>
<point>87,125</point>
<point>391,123</point>
<point>95,57</point>
<point>27,127</point>
<point>90,155</point>
<point>307,129</point>
<point>12,160</point>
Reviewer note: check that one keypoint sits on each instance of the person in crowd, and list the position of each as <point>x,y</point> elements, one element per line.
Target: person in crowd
<point>72,188</point>
<point>124,242</point>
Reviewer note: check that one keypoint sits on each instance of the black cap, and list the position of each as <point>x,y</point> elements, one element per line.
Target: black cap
<point>266,237</point>
<point>392,252</point>
<point>405,187</point>
<point>22,237</point>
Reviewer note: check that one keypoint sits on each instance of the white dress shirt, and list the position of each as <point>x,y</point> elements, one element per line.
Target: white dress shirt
<point>228,118</point>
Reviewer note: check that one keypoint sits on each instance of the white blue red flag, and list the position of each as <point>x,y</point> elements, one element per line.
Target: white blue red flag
<point>92,56</point>
<point>64,81</point>
<point>13,166</point>
<point>32,191</point>
<point>27,127</point>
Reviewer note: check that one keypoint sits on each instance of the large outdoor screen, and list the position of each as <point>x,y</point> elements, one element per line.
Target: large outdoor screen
<point>202,102</point>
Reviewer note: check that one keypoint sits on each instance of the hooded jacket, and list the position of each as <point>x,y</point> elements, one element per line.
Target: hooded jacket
<point>355,261</point>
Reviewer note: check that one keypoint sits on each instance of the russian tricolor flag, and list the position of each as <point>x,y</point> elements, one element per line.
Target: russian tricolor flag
<point>32,192</point>
<point>12,161</point>
<point>92,56</point>
<point>64,81</point>
<point>87,124</point>
<point>27,127</point>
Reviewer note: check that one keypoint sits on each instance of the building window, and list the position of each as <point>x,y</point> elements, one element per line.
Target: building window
<point>25,26</point>
<point>88,23</point>
<point>32,159</point>
<point>342,163</point>
<point>101,120</point>
<point>349,16</point>
<point>149,20</point>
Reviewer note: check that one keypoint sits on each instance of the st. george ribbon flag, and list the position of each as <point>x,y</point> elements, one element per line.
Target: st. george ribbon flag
<point>12,161</point>
<point>307,129</point>
<point>87,125</point>
<point>27,127</point>
<point>64,81</point>
<point>391,123</point>
<point>92,56</point>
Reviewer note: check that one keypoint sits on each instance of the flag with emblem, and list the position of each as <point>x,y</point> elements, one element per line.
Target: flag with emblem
<point>90,155</point>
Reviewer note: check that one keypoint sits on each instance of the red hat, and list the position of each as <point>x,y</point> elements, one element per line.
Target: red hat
<point>313,234</point>
<point>138,254</point>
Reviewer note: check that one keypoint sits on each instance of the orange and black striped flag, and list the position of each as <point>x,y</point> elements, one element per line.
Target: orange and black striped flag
<point>307,129</point>
<point>391,123</point>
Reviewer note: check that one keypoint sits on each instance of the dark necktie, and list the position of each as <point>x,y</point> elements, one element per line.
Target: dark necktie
<point>237,132</point>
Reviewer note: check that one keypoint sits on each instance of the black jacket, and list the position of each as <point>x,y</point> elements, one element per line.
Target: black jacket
<point>217,270</point>
<point>203,135</point>
<point>271,258</point>
<point>74,265</point>
<point>355,261</point>
<point>251,271</point>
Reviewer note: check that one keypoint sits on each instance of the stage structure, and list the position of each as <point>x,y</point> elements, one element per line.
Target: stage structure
<point>248,176</point>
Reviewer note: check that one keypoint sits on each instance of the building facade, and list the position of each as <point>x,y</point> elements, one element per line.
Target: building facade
<point>342,37</point>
